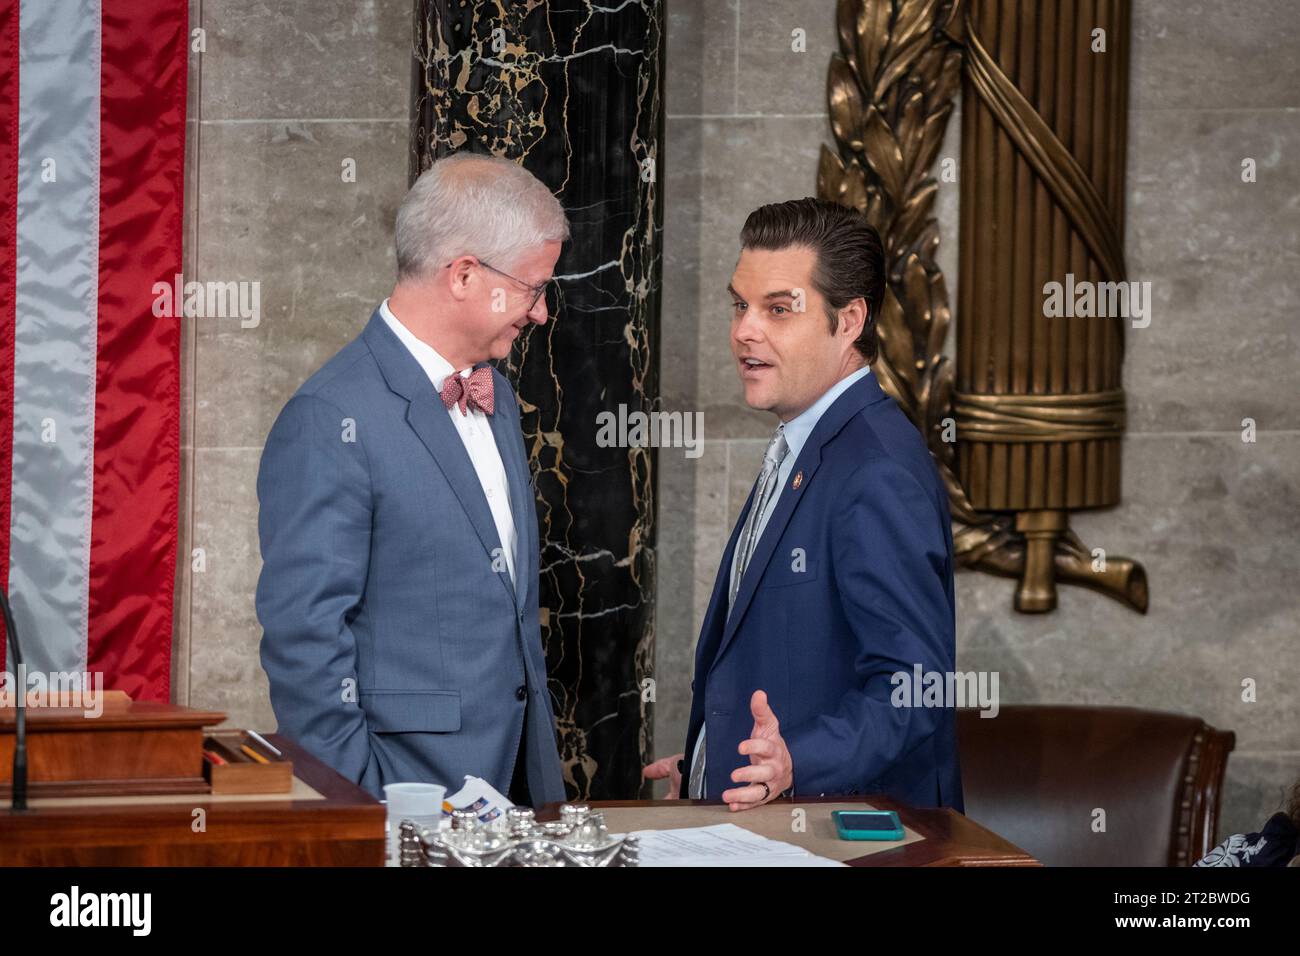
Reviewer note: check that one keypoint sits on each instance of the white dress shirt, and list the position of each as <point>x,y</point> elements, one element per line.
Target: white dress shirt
<point>475,431</point>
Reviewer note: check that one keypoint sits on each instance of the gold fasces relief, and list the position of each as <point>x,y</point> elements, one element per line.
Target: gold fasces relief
<point>1037,427</point>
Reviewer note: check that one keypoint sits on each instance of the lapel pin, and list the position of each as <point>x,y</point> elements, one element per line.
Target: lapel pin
<point>798,480</point>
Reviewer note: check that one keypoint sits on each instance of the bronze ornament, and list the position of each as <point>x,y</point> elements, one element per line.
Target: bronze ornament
<point>1025,424</point>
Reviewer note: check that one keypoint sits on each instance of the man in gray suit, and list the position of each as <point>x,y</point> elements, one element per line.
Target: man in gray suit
<point>398,526</point>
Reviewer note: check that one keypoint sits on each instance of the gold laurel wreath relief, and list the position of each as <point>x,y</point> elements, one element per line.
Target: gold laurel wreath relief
<point>890,91</point>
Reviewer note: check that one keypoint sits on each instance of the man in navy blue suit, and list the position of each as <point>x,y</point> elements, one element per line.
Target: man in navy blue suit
<point>837,581</point>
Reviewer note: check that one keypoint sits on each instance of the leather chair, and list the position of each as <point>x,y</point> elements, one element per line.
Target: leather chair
<point>1035,774</point>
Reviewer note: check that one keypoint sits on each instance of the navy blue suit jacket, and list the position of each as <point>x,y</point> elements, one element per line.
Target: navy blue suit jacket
<point>850,583</point>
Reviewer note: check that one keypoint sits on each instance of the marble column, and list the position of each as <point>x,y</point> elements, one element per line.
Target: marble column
<point>572,90</point>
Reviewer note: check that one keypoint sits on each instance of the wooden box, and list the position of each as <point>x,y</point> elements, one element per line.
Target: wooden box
<point>231,764</point>
<point>123,747</point>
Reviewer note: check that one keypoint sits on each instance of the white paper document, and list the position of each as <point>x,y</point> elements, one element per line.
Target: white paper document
<point>480,796</point>
<point>723,844</point>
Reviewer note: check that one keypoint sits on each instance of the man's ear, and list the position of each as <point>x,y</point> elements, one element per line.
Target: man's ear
<point>459,276</point>
<point>853,318</point>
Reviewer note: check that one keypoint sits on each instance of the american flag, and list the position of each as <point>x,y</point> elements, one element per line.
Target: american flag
<point>92,144</point>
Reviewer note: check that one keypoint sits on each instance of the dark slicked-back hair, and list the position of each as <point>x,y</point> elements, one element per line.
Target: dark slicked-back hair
<point>850,259</point>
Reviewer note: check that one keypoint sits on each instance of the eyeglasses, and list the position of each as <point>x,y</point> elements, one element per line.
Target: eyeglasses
<point>537,290</point>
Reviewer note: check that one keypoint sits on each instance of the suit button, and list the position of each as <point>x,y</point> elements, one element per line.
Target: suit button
<point>521,692</point>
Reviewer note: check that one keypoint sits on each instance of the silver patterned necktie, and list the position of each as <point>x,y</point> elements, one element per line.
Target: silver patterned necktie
<point>777,449</point>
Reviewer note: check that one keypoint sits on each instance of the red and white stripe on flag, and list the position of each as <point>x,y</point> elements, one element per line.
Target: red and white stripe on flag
<point>92,147</point>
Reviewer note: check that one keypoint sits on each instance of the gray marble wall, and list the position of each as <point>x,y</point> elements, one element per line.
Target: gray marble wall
<point>284,95</point>
<point>286,92</point>
<point>1213,519</point>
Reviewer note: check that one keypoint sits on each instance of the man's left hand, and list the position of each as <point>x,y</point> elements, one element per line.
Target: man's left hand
<point>769,760</point>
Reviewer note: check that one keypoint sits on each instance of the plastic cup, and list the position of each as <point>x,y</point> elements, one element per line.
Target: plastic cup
<point>421,803</point>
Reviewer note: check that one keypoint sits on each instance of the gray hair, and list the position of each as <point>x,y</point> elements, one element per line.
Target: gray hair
<point>474,204</point>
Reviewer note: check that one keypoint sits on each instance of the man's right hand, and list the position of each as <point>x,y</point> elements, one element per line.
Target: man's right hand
<point>665,768</point>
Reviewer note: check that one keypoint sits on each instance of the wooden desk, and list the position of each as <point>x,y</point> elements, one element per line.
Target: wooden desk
<point>949,838</point>
<point>338,824</point>
<point>342,825</point>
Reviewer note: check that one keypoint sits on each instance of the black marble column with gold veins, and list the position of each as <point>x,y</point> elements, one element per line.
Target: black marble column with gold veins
<point>572,90</point>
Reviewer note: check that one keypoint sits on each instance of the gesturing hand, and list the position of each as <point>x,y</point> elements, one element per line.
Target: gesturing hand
<point>769,760</point>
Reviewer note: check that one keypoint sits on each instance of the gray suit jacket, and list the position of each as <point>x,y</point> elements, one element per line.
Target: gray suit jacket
<point>397,648</point>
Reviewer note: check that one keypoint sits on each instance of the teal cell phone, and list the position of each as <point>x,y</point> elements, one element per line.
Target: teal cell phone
<point>867,824</point>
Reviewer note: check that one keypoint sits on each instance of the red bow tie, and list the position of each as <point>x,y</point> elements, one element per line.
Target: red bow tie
<point>474,389</point>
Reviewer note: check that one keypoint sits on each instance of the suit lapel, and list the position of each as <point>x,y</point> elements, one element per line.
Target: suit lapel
<point>711,630</point>
<point>710,636</point>
<point>858,396</point>
<point>805,465</point>
<point>429,420</point>
<point>522,509</point>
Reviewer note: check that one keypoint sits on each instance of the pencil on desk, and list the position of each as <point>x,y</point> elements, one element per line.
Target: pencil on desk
<point>253,753</point>
<point>264,742</point>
